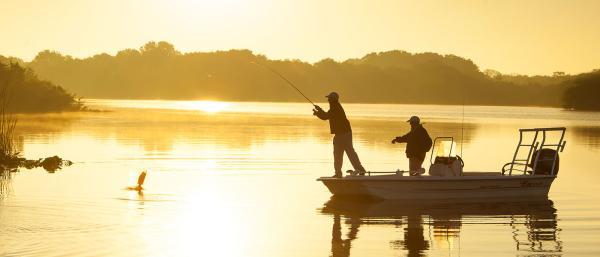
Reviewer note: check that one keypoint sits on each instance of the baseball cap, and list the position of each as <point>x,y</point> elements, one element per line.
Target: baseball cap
<point>333,95</point>
<point>414,119</point>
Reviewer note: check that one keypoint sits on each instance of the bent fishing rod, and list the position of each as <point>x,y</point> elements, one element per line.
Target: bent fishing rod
<point>286,80</point>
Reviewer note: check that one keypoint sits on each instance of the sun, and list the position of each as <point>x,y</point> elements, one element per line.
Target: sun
<point>202,11</point>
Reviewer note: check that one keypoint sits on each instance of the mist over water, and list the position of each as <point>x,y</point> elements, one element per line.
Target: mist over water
<point>238,179</point>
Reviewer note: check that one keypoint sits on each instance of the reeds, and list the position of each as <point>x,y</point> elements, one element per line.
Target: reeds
<point>8,121</point>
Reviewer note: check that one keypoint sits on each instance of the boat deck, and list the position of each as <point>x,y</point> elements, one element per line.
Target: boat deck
<point>465,176</point>
<point>476,173</point>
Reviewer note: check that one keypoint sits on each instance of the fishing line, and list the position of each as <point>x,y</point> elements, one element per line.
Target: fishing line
<point>462,128</point>
<point>462,123</point>
<point>286,80</point>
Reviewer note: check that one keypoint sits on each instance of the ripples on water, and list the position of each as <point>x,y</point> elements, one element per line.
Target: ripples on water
<point>238,179</point>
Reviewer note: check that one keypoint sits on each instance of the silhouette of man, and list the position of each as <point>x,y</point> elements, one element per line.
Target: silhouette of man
<point>418,144</point>
<point>342,139</point>
<point>341,247</point>
<point>414,240</point>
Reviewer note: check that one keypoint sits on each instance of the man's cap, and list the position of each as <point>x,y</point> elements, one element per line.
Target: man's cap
<point>414,119</point>
<point>333,95</point>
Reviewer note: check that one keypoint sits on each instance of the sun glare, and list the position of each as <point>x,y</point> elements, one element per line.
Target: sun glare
<point>206,106</point>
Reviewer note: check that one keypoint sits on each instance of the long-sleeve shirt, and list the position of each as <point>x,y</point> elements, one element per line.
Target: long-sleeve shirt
<point>338,123</point>
<point>415,141</point>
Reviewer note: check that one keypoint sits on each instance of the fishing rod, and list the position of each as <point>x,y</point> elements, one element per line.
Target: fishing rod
<point>286,80</point>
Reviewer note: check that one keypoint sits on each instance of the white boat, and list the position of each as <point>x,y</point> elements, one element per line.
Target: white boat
<point>539,169</point>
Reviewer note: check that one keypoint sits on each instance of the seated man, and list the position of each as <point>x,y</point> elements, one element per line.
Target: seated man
<point>418,143</point>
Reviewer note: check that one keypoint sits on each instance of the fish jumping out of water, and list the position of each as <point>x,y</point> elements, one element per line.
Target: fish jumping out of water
<point>140,182</point>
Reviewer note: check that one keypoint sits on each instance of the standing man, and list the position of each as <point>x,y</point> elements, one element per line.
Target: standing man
<point>342,139</point>
<point>418,143</point>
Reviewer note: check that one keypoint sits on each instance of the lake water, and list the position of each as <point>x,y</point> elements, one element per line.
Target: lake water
<point>238,179</point>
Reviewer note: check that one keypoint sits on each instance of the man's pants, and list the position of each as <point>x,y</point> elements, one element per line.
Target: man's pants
<point>415,162</point>
<point>343,143</point>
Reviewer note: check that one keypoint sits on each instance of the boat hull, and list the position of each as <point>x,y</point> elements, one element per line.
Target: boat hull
<point>428,187</point>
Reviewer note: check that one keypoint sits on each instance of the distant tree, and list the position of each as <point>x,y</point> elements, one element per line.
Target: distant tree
<point>161,48</point>
<point>583,92</point>
<point>492,73</point>
<point>9,60</point>
<point>48,56</point>
<point>558,73</point>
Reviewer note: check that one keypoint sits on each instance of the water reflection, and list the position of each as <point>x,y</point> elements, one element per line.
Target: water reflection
<point>589,135</point>
<point>414,237</point>
<point>5,180</point>
<point>41,126</point>
<point>163,130</point>
<point>220,180</point>
<point>427,225</point>
<point>340,246</point>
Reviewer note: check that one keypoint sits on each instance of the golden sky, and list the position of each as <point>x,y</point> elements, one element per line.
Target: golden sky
<point>527,36</point>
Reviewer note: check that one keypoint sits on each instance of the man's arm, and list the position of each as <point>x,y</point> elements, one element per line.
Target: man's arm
<point>320,113</point>
<point>401,139</point>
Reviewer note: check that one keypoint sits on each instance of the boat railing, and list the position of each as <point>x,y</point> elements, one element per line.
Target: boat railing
<point>539,141</point>
<point>369,173</point>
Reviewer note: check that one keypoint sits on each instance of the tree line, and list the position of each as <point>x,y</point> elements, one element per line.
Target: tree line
<point>22,91</point>
<point>158,71</point>
<point>583,92</point>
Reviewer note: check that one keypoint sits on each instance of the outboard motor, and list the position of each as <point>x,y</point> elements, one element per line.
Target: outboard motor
<point>545,160</point>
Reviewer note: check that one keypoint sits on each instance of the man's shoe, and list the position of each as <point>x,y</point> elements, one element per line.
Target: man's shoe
<point>358,173</point>
<point>337,175</point>
<point>418,172</point>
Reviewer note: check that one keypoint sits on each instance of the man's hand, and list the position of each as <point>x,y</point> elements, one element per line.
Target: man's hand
<point>317,109</point>
<point>394,140</point>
